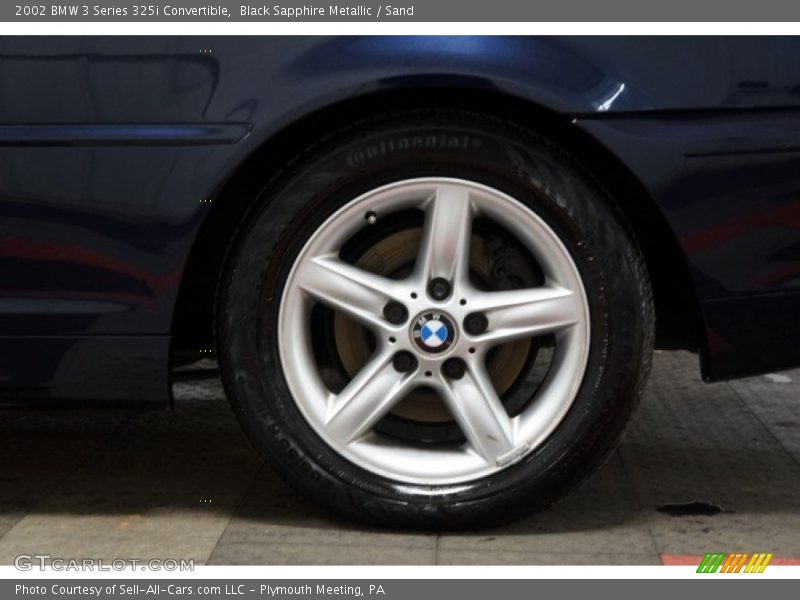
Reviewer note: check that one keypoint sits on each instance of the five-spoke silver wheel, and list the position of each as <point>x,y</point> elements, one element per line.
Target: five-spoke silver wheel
<point>434,328</point>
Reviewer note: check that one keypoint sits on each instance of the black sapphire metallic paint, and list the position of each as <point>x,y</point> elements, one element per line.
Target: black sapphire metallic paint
<point>125,164</point>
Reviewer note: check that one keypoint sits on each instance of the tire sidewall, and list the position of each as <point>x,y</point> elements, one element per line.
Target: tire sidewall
<point>496,154</point>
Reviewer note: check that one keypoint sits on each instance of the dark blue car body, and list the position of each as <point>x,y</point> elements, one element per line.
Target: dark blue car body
<point>126,164</point>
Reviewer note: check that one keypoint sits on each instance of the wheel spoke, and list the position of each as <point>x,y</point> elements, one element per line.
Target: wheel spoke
<point>477,409</point>
<point>369,396</point>
<point>526,313</point>
<point>360,294</point>
<point>444,250</point>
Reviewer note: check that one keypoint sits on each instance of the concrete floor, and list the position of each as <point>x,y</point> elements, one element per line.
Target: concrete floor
<point>183,484</point>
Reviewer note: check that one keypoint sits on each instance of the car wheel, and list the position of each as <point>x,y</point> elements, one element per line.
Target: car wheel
<point>434,319</point>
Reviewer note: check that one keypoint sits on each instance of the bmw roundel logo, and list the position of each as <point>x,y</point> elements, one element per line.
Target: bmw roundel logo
<point>433,332</point>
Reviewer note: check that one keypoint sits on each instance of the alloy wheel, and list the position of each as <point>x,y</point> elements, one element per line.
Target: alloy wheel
<point>434,329</point>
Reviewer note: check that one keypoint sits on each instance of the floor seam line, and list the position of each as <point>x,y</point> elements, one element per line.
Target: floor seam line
<point>637,501</point>
<point>123,421</point>
<point>236,508</point>
<point>755,415</point>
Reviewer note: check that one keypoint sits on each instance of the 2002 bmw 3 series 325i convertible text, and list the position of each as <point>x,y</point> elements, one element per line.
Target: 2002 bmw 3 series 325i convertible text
<point>433,270</point>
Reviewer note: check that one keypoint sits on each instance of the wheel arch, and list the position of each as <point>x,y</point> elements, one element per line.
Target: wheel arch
<point>677,310</point>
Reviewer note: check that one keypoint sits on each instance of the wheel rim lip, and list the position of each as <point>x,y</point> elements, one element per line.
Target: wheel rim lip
<point>409,464</point>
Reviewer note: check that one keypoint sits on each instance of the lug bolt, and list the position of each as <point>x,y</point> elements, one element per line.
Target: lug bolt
<point>439,288</point>
<point>476,323</point>
<point>454,368</point>
<point>404,361</point>
<point>395,313</point>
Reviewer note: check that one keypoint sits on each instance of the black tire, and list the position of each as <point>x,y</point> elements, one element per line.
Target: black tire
<point>435,143</point>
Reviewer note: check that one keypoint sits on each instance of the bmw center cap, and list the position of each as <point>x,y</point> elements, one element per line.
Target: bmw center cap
<point>433,332</point>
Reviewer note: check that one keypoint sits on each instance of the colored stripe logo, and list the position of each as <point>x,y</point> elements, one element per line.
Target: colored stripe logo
<point>720,562</point>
